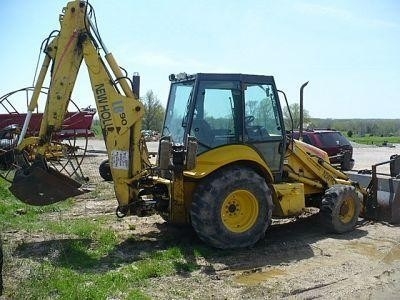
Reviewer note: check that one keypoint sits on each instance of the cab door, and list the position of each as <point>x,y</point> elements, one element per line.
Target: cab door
<point>263,124</point>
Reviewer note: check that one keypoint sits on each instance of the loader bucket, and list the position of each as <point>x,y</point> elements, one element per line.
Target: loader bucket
<point>383,203</point>
<point>42,185</point>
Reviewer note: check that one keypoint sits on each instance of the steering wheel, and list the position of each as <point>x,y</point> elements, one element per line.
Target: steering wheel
<point>248,119</point>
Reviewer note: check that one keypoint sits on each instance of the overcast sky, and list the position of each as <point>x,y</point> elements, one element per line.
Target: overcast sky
<point>348,50</point>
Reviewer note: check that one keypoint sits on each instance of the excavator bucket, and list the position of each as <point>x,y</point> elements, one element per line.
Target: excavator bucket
<point>42,185</point>
<point>383,201</point>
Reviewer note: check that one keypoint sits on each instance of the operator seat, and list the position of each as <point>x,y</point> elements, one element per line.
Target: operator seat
<point>203,132</point>
<point>257,133</point>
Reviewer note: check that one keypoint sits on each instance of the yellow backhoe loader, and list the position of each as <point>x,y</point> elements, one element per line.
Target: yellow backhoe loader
<point>225,163</point>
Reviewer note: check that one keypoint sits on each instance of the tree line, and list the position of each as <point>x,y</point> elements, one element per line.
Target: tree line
<point>360,127</point>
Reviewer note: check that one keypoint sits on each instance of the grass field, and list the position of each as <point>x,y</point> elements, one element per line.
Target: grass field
<point>375,140</point>
<point>82,257</point>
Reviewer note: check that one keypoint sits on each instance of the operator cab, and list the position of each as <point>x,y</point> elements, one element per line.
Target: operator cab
<point>225,109</point>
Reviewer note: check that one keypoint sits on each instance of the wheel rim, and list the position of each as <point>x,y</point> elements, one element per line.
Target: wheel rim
<point>239,211</point>
<point>347,210</point>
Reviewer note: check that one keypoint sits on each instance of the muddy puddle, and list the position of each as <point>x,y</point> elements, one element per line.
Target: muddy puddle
<point>255,277</point>
<point>388,254</point>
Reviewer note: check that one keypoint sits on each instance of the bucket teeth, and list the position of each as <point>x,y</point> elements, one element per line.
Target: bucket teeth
<point>41,185</point>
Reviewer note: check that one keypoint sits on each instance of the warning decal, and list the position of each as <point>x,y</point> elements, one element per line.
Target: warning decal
<point>120,159</point>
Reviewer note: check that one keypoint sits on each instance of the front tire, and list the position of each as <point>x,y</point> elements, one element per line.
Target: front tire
<point>232,208</point>
<point>340,208</point>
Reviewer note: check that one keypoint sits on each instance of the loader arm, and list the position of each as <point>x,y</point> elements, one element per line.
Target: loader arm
<point>120,113</point>
<point>312,169</point>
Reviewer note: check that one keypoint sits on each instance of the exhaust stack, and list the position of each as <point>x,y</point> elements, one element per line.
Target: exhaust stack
<point>301,111</point>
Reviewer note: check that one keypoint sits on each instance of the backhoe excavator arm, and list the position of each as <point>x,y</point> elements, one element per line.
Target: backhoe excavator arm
<point>120,114</point>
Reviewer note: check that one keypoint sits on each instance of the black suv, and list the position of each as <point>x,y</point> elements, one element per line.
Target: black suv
<point>339,149</point>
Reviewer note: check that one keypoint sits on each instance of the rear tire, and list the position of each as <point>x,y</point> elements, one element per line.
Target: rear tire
<point>105,170</point>
<point>340,208</point>
<point>232,208</point>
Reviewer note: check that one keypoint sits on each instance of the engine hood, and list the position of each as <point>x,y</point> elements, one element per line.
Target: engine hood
<point>312,150</point>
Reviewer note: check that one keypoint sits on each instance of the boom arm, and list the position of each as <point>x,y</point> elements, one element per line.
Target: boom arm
<point>120,114</point>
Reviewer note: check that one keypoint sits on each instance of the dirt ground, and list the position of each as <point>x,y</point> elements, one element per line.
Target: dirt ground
<point>295,260</point>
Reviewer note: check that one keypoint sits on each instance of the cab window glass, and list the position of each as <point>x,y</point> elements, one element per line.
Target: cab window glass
<point>214,120</point>
<point>261,113</point>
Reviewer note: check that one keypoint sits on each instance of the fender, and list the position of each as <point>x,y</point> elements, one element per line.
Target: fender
<point>217,158</point>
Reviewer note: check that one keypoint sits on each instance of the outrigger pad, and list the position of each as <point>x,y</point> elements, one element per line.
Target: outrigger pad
<point>38,186</point>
